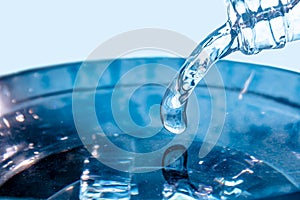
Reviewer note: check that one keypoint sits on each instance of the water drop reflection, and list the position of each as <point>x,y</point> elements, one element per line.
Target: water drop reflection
<point>178,184</point>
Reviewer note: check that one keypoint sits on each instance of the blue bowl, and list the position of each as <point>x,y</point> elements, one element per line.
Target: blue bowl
<point>92,129</point>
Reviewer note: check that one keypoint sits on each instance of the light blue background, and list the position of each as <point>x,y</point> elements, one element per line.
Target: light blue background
<point>36,33</point>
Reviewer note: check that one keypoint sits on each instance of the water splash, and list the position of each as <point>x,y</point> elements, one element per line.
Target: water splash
<point>178,184</point>
<point>98,182</point>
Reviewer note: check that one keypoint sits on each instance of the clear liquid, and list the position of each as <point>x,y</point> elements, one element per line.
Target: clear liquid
<point>214,47</point>
<point>272,136</point>
<point>224,174</point>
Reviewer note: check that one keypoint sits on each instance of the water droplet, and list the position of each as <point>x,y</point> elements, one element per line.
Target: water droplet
<point>85,172</point>
<point>7,164</point>
<point>31,146</point>
<point>6,122</point>
<point>35,116</point>
<point>30,111</point>
<point>20,117</point>
<point>64,138</point>
<point>10,151</point>
<point>95,152</point>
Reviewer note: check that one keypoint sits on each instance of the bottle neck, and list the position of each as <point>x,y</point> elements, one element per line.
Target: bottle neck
<point>260,25</point>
